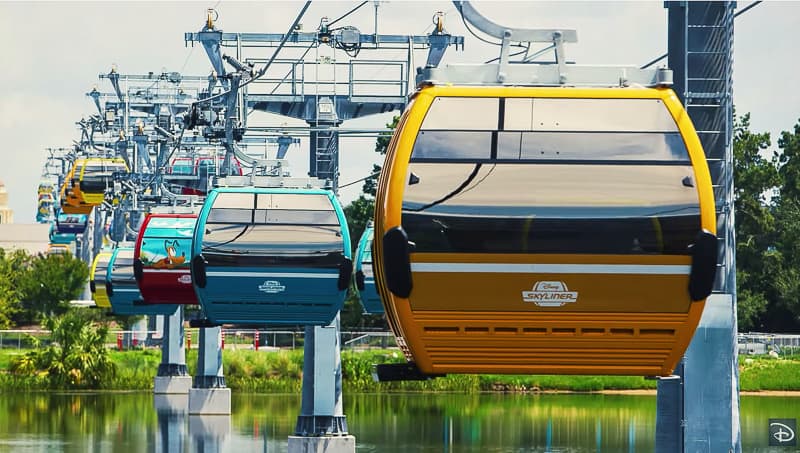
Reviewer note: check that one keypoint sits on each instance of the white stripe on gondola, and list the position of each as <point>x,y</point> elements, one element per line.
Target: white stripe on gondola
<point>502,268</point>
<point>271,274</point>
<point>167,271</point>
<point>124,290</point>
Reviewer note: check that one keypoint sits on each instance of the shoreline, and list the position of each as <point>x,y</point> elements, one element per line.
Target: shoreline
<point>789,393</point>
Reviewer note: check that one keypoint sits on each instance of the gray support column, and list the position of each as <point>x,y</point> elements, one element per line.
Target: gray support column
<point>701,56</point>
<point>172,376</point>
<point>322,425</point>
<point>208,395</point>
<point>711,381</point>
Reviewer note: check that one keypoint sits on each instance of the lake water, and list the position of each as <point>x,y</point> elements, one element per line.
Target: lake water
<point>129,422</point>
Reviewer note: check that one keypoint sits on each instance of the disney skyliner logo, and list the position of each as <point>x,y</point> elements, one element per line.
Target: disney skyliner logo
<point>271,287</point>
<point>550,294</point>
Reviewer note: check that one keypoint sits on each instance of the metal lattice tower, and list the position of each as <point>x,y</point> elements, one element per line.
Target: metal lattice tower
<point>701,56</point>
<point>699,408</point>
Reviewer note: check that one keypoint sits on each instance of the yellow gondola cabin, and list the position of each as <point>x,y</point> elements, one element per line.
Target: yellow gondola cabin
<point>544,230</point>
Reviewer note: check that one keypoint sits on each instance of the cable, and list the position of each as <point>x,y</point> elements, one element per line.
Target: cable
<point>302,57</point>
<point>486,40</point>
<point>288,33</point>
<point>455,192</point>
<point>472,32</point>
<point>359,180</point>
<point>512,55</point>
<point>263,70</point>
<point>186,61</point>
<point>738,13</point>
<point>347,13</point>
<point>480,180</point>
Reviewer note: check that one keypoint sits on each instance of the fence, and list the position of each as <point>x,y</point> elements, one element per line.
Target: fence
<point>756,343</point>
<point>753,343</point>
<point>20,339</point>
<point>292,339</point>
<point>232,339</point>
<point>32,338</point>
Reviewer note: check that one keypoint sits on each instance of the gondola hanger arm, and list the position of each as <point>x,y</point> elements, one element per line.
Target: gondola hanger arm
<point>482,23</point>
<point>556,37</point>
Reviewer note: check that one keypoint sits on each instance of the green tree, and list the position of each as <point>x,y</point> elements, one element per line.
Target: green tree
<point>13,267</point>
<point>359,213</point>
<point>756,177</point>
<point>76,357</point>
<point>767,202</point>
<point>783,308</point>
<point>50,283</point>
<point>370,186</point>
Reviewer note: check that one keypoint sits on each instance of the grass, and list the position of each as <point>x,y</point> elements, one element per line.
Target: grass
<point>250,371</point>
<point>757,374</point>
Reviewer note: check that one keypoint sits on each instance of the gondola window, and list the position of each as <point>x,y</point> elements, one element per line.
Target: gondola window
<point>272,230</point>
<point>550,175</point>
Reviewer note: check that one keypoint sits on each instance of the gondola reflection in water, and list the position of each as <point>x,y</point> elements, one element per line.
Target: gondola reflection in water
<point>545,230</point>
<point>271,256</point>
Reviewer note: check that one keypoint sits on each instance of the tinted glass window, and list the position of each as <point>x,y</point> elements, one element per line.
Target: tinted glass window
<point>549,129</point>
<point>453,145</point>
<point>466,114</point>
<point>123,267</point>
<point>525,208</point>
<point>76,175</point>
<point>237,235</point>
<point>540,175</point>
<point>182,167</point>
<point>100,269</point>
<point>637,146</point>
<point>469,146</point>
<point>170,228</point>
<point>609,115</point>
<point>366,255</point>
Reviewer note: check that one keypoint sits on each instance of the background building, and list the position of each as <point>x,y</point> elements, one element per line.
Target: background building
<point>6,214</point>
<point>31,237</point>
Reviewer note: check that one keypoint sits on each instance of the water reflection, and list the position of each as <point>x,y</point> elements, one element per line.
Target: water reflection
<point>209,432</point>
<point>132,422</point>
<point>495,423</point>
<point>171,413</point>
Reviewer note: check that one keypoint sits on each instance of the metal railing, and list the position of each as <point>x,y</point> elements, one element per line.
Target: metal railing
<point>756,343</point>
<point>269,339</point>
<point>32,338</point>
<point>354,78</point>
<point>234,339</point>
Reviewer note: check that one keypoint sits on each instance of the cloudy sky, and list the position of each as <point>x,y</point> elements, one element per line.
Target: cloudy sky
<point>53,53</point>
